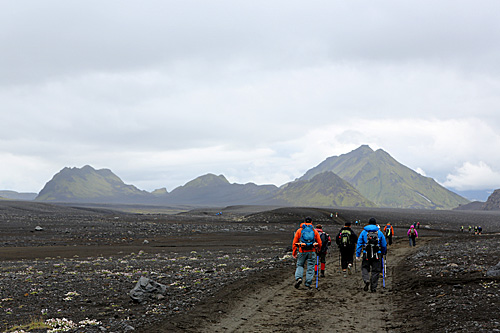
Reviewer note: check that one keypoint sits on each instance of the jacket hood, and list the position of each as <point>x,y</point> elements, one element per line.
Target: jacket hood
<point>371,227</point>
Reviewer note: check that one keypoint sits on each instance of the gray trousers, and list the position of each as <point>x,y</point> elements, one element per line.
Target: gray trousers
<point>373,265</point>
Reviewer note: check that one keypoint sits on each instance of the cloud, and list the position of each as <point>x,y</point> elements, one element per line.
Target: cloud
<point>473,177</point>
<point>161,91</point>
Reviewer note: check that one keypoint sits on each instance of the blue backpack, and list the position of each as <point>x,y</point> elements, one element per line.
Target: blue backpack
<point>307,236</point>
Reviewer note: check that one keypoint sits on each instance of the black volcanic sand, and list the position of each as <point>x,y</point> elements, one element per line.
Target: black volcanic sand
<point>232,272</point>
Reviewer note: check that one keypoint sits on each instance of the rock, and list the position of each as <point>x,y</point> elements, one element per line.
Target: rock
<point>38,228</point>
<point>144,287</point>
<point>494,271</point>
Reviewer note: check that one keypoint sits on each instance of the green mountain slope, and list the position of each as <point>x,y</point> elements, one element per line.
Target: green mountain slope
<point>386,182</point>
<point>324,189</point>
<point>90,185</point>
<point>216,190</point>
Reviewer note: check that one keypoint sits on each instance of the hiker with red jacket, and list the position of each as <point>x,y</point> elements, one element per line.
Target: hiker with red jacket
<point>322,251</point>
<point>305,243</point>
<point>389,232</point>
<point>412,235</point>
<point>346,241</point>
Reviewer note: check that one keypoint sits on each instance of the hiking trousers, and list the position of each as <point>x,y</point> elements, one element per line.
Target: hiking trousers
<point>309,259</point>
<point>373,265</point>
<point>413,241</point>
<point>346,257</point>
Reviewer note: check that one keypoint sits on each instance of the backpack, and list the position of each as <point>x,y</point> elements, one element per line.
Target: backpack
<point>307,236</point>
<point>324,242</point>
<point>372,246</point>
<point>412,232</point>
<point>345,238</point>
<point>388,231</point>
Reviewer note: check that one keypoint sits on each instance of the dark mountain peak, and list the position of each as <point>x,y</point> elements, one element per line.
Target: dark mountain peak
<point>493,202</point>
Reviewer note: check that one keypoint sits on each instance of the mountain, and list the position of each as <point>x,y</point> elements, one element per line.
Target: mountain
<point>493,202</point>
<point>386,182</point>
<point>12,195</point>
<point>324,189</point>
<point>90,186</point>
<point>216,190</point>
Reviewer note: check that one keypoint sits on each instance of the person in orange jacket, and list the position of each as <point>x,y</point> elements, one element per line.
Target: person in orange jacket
<point>305,243</point>
<point>388,233</point>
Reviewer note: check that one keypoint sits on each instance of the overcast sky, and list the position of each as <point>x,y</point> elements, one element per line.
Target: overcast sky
<point>162,92</point>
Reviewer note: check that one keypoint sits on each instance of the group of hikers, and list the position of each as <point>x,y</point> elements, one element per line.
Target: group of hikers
<point>477,229</point>
<point>310,246</point>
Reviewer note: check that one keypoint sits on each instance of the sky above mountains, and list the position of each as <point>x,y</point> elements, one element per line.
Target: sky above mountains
<point>161,92</point>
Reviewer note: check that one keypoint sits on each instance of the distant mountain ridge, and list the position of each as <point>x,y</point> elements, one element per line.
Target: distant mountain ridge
<point>13,195</point>
<point>386,182</point>
<point>361,178</point>
<point>90,186</point>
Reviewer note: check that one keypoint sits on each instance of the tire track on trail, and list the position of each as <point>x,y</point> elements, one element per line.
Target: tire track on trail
<point>338,305</point>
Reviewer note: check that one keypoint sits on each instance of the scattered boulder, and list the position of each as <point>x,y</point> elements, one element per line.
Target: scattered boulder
<point>494,270</point>
<point>38,228</point>
<point>145,287</point>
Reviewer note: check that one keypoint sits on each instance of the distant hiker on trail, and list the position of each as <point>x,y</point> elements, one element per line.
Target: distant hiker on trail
<point>418,225</point>
<point>470,228</point>
<point>346,241</point>
<point>412,235</point>
<point>373,244</point>
<point>389,232</point>
<point>305,243</point>
<point>479,230</point>
<point>475,230</point>
<point>321,252</point>
<point>462,228</point>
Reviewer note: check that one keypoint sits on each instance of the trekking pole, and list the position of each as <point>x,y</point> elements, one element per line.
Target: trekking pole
<point>383,272</point>
<point>340,265</point>
<point>317,270</point>
<point>385,267</point>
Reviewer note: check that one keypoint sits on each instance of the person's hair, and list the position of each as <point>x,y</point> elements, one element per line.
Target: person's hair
<point>308,219</point>
<point>319,226</point>
<point>372,221</point>
<point>348,224</point>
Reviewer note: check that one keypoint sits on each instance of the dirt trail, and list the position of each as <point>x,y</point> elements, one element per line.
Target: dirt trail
<point>338,305</point>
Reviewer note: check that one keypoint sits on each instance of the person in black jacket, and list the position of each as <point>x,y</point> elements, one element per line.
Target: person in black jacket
<point>346,241</point>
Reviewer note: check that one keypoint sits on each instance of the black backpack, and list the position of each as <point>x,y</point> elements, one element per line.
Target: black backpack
<point>372,246</point>
<point>345,238</point>
<point>324,242</point>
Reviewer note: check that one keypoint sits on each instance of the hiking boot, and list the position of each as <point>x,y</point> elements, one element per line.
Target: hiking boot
<point>373,290</point>
<point>297,283</point>
<point>345,274</point>
<point>308,287</point>
<point>367,284</point>
<point>322,273</point>
<point>349,267</point>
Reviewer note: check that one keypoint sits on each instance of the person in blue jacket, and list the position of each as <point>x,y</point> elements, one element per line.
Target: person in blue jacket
<point>372,244</point>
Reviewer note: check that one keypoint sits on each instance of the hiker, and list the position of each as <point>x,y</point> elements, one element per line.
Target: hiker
<point>388,232</point>
<point>462,228</point>
<point>412,235</point>
<point>373,244</point>
<point>470,228</point>
<point>326,241</point>
<point>305,243</point>
<point>418,225</point>
<point>346,241</point>
<point>475,230</point>
<point>479,230</point>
